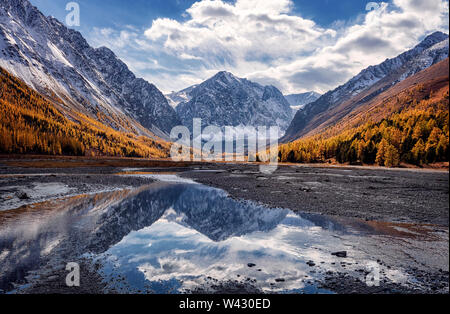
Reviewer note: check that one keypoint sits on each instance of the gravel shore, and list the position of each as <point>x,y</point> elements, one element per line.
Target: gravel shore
<point>373,194</point>
<point>394,195</point>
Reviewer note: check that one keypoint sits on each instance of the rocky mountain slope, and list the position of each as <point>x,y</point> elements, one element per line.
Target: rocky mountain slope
<point>226,100</point>
<point>31,123</point>
<point>298,101</point>
<point>176,98</point>
<point>432,79</point>
<point>336,104</point>
<point>407,124</point>
<point>58,61</point>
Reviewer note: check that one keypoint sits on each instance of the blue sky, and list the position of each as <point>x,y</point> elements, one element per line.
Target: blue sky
<point>111,13</point>
<point>296,45</point>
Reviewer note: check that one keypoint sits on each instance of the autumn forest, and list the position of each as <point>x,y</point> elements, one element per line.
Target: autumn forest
<point>414,130</point>
<point>31,124</point>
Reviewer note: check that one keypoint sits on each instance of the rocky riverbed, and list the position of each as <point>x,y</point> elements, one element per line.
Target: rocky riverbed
<point>394,195</point>
<point>397,219</point>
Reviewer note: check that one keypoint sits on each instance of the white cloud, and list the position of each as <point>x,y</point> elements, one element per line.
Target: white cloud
<point>263,40</point>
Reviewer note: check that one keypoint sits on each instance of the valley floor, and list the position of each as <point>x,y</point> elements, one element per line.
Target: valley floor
<point>381,197</point>
<point>370,193</point>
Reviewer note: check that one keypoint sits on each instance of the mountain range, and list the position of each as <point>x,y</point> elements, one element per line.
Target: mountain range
<point>405,124</point>
<point>226,100</point>
<point>57,61</point>
<point>361,89</point>
<point>92,86</point>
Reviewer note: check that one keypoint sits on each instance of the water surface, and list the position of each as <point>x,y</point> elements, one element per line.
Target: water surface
<point>176,236</point>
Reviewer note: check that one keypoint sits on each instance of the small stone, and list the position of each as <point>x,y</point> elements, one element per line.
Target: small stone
<point>23,196</point>
<point>342,254</point>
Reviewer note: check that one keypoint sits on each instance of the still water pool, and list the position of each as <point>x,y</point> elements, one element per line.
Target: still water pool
<point>176,236</point>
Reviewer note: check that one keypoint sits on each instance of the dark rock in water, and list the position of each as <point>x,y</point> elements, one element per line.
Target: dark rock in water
<point>251,265</point>
<point>23,196</point>
<point>342,254</point>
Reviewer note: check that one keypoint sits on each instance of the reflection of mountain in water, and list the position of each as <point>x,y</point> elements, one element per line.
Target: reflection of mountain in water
<point>95,223</point>
<point>212,213</point>
<point>30,235</point>
<point>190,224</point>
<point>132,214</point>
<point>207,210</point>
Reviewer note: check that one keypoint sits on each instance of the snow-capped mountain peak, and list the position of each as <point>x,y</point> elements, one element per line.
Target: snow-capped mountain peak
<point>226,77</point>
<point>226,100</point>
<point>56,60</point>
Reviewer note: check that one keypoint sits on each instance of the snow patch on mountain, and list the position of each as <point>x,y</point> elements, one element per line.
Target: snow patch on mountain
<point>175,98</point>
<point>298,101</point>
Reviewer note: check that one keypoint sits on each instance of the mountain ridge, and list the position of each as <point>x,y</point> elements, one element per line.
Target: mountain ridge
<point>314,116</point>
<point>405,124</point>
<point>52,58</point>
<point>31,123</point>
<point>226,100</point>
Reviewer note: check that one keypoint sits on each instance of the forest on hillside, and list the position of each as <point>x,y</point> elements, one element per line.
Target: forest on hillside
<point>31,124</point>
<point>411,127</point>
<point>414,130</point>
